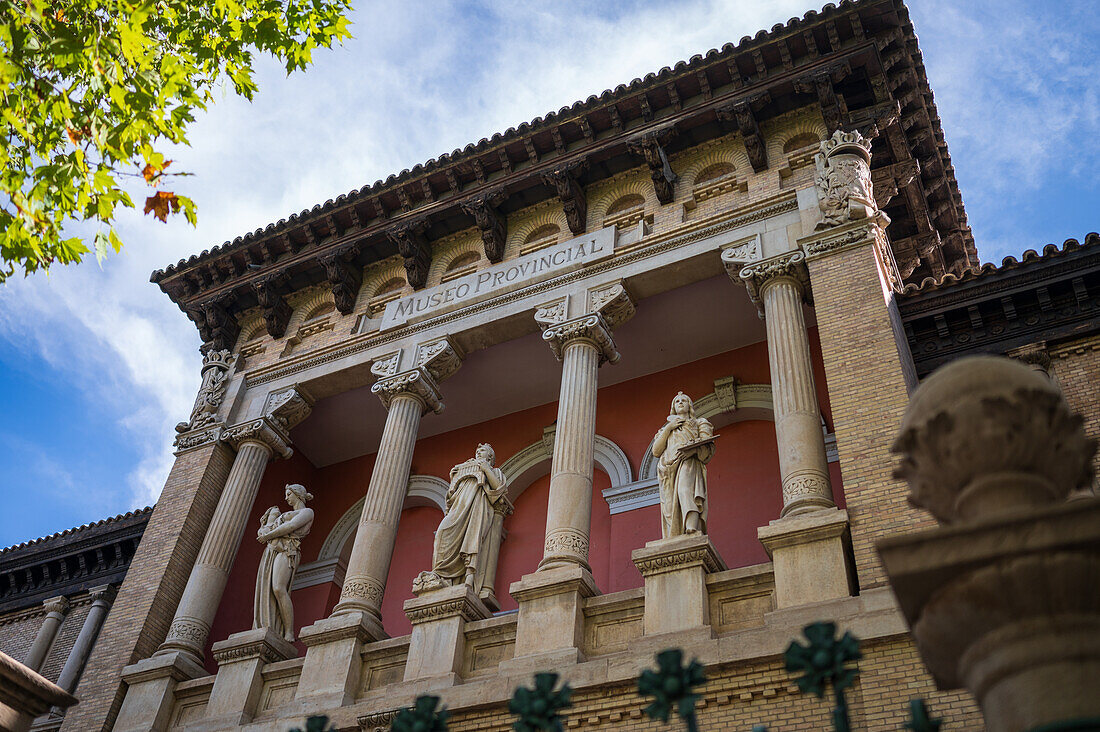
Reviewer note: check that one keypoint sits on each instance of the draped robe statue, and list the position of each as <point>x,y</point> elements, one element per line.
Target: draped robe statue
<point>282,534</point>
<point>468,538</point>
<point>683,447</point>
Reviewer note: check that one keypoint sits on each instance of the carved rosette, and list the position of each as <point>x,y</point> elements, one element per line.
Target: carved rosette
<point>843,179</point>
<point>261,430</point>
<point>759,275</point>
<point>588,328</point>
<point>985,436</point>
<point>415,383</point>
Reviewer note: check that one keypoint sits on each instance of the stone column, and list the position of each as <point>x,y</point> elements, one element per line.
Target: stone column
<point>779,285</point>
<point>56,608</point>
<point>333,663</point>
<point>102,597</point>
<point>256,441</point>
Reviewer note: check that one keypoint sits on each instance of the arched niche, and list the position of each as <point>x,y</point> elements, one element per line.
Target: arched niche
<point>533,462</point>
<point>423,490</point>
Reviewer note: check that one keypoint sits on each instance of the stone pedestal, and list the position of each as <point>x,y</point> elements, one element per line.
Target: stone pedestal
<point>151,686</point>
<point>810,557</point>
<point>439,632</point>
<point>675,572</point>
<point>550,627</point>
<point>333,663</point>
<point>241,659</point>
<point>1010,609</point>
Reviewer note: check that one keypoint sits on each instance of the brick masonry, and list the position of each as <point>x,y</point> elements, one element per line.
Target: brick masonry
<point>146,602</point>
<point>1076,367</point>
<point>868,394</point>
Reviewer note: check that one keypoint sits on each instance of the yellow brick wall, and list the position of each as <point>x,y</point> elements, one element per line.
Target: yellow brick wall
<point>868,395</point>
<point>1076,368</point>
<point>738,696</point>
<point>146,602</point>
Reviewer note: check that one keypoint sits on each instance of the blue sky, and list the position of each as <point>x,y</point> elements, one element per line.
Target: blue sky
<point>96,364</point>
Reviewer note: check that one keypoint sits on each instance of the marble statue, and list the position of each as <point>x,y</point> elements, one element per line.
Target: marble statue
<point>282,533</point>
<point>468,538</point>
<point>683,447</point>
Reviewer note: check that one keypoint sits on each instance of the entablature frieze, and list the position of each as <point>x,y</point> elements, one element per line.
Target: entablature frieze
<point>466,325</point>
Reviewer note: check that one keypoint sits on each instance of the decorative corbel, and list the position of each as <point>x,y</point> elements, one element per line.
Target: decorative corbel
<point>651,147</point>
<point>820,82</point>
<point>343,276</point>
<point>288,407</point>
<point>414,247</point>
<point>269,292</point>
<point>217,328</point>
<point>494,227</point>
<point>743,115</point>
<point>888,180</point>
<point>441,358</point>
<point>571,194</point>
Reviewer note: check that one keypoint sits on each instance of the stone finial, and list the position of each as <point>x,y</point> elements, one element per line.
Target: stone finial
<point>986,436</point>
<point>843,179</point>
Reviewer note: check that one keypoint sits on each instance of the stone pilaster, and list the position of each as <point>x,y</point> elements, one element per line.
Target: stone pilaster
<point>102,597</point>
<point>779,285</point>
<point>256,441</point>
<point>56,608</point>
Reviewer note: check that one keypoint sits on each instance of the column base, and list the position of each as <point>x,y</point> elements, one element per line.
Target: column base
<point>241,659</point>
<point>551,612</point>
<point>675,572</point>
<point>438,638</point>
<point>810,556</point>
<point>330,673</point>
<point>150,692</point>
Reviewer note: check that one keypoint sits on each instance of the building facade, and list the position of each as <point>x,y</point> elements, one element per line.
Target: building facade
<point>773,229</point>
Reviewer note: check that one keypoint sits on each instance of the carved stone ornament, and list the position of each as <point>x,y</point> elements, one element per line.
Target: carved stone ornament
<point>364,588</point>
<point>58,605</point>
<point>377,721</point>
<point>552,312</point>
<point>843,179</point>
<point>736,256</point>
<point>281,533</point>
<point>986,436</point>
<point>344,277</point>
<point>386,365</point>
<point>217,328</point>
<point>415,250</point>
<point>288,407</point>
<point>197,438</point>
<point>262,430</point>
<point>651,148</point>
<point>441,358</point>
<point>571,194</point>
<point>683,446</point>
<point>493,226</point>
<point>758,275</point>
<point>567,541</point>
<point>215,379</point>
<point>613,302</point>
<point>270,292</point>
<point>417,383</point>
<point>591,328</point>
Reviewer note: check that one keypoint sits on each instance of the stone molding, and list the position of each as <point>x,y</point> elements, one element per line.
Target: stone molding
<point>803,529</point>
<point>197,438</point>
<point>260,430</point>
<point>415,383</point>
<point>256,644</point>
<point>670,555</point>
<point>189,629</point>
<point>442,604</point>
<point>320,572</point>
<point>441,358</point>
<point>557,581</point>
<point>377,721</point>
<point>339,627</point>
<point>26,692</point>
<point>173,665</point>
<point>366,588</point>
<point>846,236</point>
<point>566,540</point>
<point>639,494</point>
<point>369,340</point>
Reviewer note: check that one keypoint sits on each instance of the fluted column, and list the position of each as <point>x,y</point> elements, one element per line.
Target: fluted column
<point>256,441</point>
<point>102,597</point>
<point>56,608</point>
<point>778,286</point>
<point>407,397</point>
<point>569,509</point>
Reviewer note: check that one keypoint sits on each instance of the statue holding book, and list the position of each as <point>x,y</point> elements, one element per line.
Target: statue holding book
<point>683,447</point>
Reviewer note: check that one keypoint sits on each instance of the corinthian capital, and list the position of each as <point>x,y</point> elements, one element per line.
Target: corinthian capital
<point>759,275</point>
<point>261,430</point>
<point>416,383</point>
<point>590,328</point>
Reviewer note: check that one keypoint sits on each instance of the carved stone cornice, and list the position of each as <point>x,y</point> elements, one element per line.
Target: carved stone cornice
<point>416,383</point>
<point>256,644</point>
<point>217,328</point>
<point>344,276</point>
<point>757,276</point>
<point>833,109</point>
<point>493,226</point>
<point>198,438</point>
<point>651,148</point>
<point>703,556</point>
<point>571,194</point>
<point>450,602</point>
<point>590,328</point>
<point>262,430</point>
<point>288,407</point>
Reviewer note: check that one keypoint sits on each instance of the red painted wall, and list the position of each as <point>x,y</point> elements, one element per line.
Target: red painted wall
<point>743,483</point>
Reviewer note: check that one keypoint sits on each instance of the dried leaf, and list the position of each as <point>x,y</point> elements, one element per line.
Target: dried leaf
<point>161,204</point>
